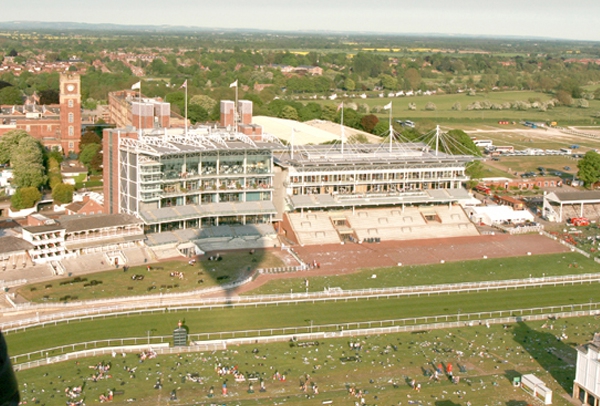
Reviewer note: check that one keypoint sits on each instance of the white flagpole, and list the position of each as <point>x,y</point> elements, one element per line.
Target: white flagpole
<point>342,122</point>
<point>391,128</point>
<point>236,107</point>
<point>140,108</point>
<point>186,108</point>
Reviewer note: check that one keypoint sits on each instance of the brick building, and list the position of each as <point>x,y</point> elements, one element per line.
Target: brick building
<point>58,126</point>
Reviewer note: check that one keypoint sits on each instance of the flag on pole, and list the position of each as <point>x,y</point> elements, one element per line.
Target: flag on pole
<point>136,86</point>
<point>234,84</point>
<point>184,85</point>
<point>388,106</point>
<point>341,105</point>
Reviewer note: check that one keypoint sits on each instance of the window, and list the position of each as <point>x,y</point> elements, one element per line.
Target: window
<point>71,130</point>
<point>70,103</point>
<point>71,144</point>
<point>71,117</point>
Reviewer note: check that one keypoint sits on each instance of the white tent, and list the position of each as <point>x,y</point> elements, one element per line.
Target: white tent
<point>490,215</point>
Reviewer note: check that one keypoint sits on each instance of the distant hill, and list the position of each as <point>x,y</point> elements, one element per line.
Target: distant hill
<point>45,26</point>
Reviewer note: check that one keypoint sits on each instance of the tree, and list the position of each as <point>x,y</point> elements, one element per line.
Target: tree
<point>207,103</point>
<point>369,122</point>
<point>87,154</point>
<point>288,112</point>
<point>461,144</point>
<point>27,161</point>
<point>349,84</point>
<point>389,82</point>
<point>63,193</point>
<point>25,198</point>
<point>197,113</point>
<point>589,168</point>
<point>412,79</point>
<point>456,106</point>
<point>564,97</point>
<point>8,144</point>
<point>430,106</point>
<point>49,96</point>
<point>381,128</point>
<point>11,95</point>
<point>583,103</point>
<point>89,137</point>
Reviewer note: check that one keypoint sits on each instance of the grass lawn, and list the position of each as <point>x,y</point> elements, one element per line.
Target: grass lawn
<point>551,164</point>
<point>117,283</point>
<point>450,272</point>
<point>485,359</point>
<point>445,114</point>
<point>274,316</point>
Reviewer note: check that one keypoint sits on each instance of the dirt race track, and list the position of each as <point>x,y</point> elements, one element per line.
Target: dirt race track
<point>337,259</point>
<point>349,257</point>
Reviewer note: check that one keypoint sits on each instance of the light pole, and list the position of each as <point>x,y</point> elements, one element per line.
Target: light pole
<point>458,315</point>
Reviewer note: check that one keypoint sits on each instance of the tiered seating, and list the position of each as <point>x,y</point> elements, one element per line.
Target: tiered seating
<point>590,212</point>
<point>569,211</point>
<point>314,228</point>
<point>394,224</point>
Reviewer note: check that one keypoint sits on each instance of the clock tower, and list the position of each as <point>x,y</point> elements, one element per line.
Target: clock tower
<point>70,112</point>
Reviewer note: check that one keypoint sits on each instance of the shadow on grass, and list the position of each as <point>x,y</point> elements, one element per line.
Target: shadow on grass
<point>552,354</point>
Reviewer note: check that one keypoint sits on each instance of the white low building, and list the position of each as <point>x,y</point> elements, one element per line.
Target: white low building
<point>493,215</point>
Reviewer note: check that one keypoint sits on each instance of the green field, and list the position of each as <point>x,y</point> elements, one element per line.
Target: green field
<point>117,283</point>
<point>490,356</point>
<point>450,272</point>
<point>445,115</point>
<point>485,359</point>
<point>331,315</point>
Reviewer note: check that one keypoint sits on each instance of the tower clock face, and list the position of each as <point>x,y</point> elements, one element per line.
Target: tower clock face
<point>70,88</point>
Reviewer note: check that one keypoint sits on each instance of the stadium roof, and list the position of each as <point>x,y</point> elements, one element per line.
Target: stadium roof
<point>310,132</point>
<point>175,141</point>
<point>591,196</point>
<point>396,153</point>
<point>431,196</point>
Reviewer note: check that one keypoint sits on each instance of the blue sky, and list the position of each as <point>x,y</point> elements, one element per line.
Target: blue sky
<point>573,19</point>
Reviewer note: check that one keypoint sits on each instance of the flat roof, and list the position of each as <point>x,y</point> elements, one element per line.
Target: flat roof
<point>191,211</point>
<point>591,196</point>
<point>351,154</point>
<point>410,197</point>
<point>96,221</point>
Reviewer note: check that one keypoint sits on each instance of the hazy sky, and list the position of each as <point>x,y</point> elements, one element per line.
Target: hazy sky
<point>569,19</point>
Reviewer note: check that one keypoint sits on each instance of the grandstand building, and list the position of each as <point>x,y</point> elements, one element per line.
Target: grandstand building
<point>561,206</point>
<point>189,184</point>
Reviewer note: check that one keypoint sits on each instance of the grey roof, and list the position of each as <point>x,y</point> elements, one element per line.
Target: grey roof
<point>44,228</point>
<point>410,197</point>
<point>575,197</point>
<point>81,223</point>
<point>13,244</point>
<point>193,211</point>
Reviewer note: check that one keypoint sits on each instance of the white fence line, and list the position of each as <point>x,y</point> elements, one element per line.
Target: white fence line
<point>220,340</point>
<point>169,303</point>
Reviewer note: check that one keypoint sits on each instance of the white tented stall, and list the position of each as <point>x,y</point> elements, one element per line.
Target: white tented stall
<point>533,385</point>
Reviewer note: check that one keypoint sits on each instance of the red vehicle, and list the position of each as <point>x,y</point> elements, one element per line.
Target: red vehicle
<point>579,221</point>
<point>481,188</point>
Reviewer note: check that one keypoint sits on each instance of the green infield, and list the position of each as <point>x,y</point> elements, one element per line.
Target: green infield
<point>163,277</point>
<point>450,272</point>
<point>300,316</point>
<point>375,369</point>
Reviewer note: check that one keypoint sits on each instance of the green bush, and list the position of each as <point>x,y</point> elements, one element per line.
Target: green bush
<point>25,198</point>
